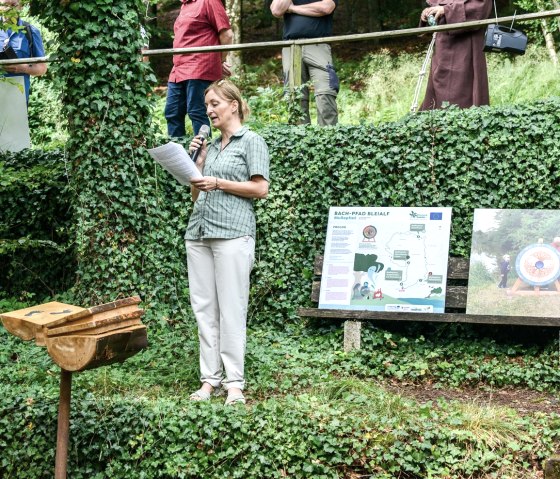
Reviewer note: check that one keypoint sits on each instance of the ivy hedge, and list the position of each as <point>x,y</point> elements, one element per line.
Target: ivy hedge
<point>466,159</point>
<point>300,437</point>
<point>35,259</point>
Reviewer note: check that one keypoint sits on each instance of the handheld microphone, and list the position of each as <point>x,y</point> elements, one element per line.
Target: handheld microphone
<point>202,133</point>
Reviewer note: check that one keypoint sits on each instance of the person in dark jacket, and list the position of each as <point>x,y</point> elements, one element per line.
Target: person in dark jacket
<point>504,270</point>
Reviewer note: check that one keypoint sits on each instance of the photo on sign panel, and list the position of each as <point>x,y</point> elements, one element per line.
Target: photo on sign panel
<point>515,263</point>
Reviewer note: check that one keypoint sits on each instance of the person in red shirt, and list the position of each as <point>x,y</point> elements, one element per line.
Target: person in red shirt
<point>200,23</point>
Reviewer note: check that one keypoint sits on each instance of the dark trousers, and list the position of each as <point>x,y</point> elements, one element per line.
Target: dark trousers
<point>185,98</point>
<point>503,282</point>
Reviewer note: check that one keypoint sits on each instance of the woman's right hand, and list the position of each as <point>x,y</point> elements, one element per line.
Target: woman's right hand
<point>196,143</point>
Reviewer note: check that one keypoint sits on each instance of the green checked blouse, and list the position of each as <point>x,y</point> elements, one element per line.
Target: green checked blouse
<point>217,214</point>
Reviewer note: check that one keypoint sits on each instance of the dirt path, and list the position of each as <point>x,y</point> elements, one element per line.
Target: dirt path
<point>522,400</point>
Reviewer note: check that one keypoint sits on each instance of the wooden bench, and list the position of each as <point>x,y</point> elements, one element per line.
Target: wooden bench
<point>455,307</point>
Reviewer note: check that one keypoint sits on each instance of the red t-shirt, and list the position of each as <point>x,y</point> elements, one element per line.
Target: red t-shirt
<point>198,25</point>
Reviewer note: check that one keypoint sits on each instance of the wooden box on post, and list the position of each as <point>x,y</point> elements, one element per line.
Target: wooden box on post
<point>109,333</point>
<point>78,338</point>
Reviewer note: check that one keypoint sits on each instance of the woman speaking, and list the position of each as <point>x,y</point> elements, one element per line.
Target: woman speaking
<point>220,239</point>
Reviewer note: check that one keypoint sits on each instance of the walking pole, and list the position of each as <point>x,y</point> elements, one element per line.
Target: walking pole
<point>422,73</point>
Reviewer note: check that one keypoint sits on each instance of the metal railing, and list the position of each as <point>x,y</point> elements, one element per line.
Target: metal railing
<point>296,45</point>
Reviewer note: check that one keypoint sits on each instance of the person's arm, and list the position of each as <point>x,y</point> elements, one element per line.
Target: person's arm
<point>33,69</point>
<point>279,7</point>
<point>256,187</point>
<point>316,9</point>
<point>458,12</point>
<point>226,38</point>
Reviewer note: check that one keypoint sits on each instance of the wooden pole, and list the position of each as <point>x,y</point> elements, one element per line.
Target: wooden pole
<point>295,66</point>
<point>63,430</point>
<point>357,37</point>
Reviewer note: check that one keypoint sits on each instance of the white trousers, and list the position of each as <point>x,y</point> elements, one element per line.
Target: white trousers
<point>219,271</point>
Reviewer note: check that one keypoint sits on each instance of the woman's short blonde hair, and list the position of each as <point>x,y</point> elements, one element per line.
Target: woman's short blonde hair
<point>227,90</point>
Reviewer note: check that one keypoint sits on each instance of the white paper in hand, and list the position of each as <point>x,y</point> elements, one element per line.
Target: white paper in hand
<point>175,159</point>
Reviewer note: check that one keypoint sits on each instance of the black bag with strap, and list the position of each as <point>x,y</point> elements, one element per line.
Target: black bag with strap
<point>8,53</point>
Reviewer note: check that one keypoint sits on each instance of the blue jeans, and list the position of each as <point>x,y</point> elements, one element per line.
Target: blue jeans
<point>185,98</point>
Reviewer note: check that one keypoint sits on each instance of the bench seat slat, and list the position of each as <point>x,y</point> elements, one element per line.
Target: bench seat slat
<point>355,315</point>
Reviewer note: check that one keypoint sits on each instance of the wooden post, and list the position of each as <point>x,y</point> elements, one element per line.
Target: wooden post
<point>295,110</point>
<point>295,66</point>
<point>62,434</point>
<point>352,335</point>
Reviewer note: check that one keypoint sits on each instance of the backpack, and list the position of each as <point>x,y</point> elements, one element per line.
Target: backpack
<point>28,35</point>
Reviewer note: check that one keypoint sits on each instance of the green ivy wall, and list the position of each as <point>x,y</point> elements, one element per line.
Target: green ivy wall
<point>466,159</point>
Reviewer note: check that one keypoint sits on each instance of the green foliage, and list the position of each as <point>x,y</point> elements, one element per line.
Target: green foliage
<point>47,125</point>
<point>339,427</point>
<point>466,159</point>
<point>35,247</point>
<point>535,28</point>
<point>120,229</point>
<point>314,411</point>
<point>380,87</point>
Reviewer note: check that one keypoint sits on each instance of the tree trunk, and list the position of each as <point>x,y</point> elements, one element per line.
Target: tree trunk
<point>556,6</point>
<point>234,11</point>
<point>549,39</point>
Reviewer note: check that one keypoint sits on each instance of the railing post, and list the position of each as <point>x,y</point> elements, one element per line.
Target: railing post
<point>295,66</point>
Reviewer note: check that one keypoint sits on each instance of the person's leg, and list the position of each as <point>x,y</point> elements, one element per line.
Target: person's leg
<point>233,260</point>
<point>318,59</point>
<point>196,109</point>
<point>304,101</point>
<point>204,302</point>
<point>176,109</point>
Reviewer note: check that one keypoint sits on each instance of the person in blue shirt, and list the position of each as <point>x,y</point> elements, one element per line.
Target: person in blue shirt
<point>19,41</point>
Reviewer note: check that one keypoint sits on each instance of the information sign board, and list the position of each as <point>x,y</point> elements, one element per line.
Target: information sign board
<point>386,259</point>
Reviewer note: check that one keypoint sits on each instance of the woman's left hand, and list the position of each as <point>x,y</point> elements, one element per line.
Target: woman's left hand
<point>206,183</point>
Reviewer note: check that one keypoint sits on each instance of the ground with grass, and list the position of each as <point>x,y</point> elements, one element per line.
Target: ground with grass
<point>441,401</point>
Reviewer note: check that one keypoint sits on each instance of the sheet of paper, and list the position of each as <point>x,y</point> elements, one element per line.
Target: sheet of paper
<point>175,159</point>
<point>14,127</point>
